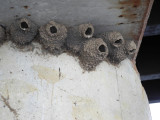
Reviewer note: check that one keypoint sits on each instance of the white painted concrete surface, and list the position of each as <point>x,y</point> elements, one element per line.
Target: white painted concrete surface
<point>35,86</point>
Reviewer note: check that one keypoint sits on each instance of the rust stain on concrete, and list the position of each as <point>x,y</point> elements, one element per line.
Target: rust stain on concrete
<point>48,74</point>
<point>85,109</point>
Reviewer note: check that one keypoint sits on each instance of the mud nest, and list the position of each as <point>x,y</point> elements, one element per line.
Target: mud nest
<point>77,35</point>
<point>52,37</point>
<point>130,48</point>
<point>93,52</point>
<point>116,45</point>
<point>77,40</point>
<point>23,31</point>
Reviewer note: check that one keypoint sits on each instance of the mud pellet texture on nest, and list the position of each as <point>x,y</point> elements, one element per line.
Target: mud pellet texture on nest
<point>23,31</point>
<point>130,47</point>
<point>52,36</point>
<point>77,35</point>
<point>116,46</point>
<point>94,51</point>
<point>79,41</point>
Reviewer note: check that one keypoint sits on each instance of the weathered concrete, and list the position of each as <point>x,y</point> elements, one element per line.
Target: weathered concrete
<point>35,86</point>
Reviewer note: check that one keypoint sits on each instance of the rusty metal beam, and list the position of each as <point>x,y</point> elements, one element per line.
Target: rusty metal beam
<point>144,23</point>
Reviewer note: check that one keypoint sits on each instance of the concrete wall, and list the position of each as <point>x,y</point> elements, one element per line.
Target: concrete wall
<point>39,86</point>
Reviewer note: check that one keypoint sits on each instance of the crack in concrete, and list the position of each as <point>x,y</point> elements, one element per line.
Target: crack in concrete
<point>5,100</point>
